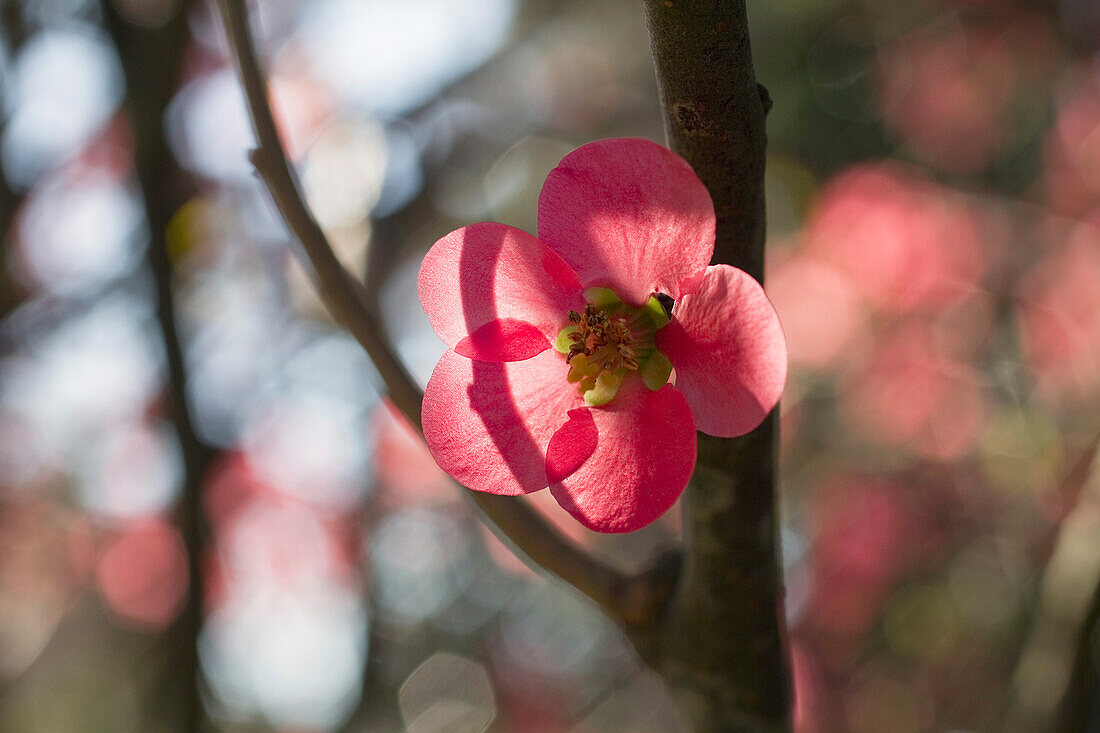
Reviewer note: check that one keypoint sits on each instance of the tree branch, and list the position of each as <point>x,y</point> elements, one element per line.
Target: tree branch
<point>1077,710</point>
<point>1054,680</point>
<point>13,35</point>
<point>150,60</point>
<point>627,598</point>
<point>723,648</point>
<point>341,292</point>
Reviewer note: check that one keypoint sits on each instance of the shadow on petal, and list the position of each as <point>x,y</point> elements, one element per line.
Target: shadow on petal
<point>571,445</point>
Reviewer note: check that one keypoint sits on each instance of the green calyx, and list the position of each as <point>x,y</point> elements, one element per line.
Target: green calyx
<point>610,340</point>
<point>656,371</point>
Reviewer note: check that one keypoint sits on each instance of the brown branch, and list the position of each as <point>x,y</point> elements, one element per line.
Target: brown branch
<point>722,648</point>
<point>1077,709</point>
<point>1078,703</point>
<point>627,598</point>
<point>341,292</point>
<point>1053,682</point>
<point>150,59</point>
<point>12,293</point>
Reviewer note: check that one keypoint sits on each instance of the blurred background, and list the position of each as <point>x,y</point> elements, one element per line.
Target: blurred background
<point>194,457</point>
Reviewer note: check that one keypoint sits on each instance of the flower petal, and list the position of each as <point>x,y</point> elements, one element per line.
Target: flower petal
<point>630,215</point>
<point>495,293</point>
<point>504,339</point>
<point>727,346</point>
<point>619,467</point>
<point>487,424</point>
<point>571,445</point>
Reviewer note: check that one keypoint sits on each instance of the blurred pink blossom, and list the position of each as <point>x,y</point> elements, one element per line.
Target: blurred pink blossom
<point>142,573</point>
<point>910,394</point>
<point>403,467</point>
<point>903,242</point>
<point>1071,153</point>
<point>823,316</point>
<point>949,93</point>
<point>1059,318</point>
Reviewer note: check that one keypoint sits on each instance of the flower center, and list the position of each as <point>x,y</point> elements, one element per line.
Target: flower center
<point>611,339</point>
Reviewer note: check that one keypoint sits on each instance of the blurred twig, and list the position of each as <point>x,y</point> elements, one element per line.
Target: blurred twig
<point>14,33</point>
<point>722,648</point>
<point>341,292</point>
<point>1065,497</point>
<point>11,293</point>
<point>1077,712</point>
<point>626,598</point>
<point>1053,684</point>
<point>150,58</point>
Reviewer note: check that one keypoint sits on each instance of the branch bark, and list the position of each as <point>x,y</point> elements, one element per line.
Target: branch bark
<point>1054,680</point>
<point>631,599</point>
<point>12,35</point>
<point>150,59</point>
<point>1077,710</point>
<point>722,642</point>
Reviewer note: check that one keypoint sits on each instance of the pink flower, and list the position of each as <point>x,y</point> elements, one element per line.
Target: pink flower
<point>560,352</point>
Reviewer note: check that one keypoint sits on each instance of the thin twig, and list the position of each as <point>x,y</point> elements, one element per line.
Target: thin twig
<point>1055,665</point>
<point>623,596</point>
<point>341,292</point>
<point>12,34</point>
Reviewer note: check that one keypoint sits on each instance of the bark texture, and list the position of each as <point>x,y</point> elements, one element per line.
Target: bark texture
<point>721,641</point>
<point>150,59</point>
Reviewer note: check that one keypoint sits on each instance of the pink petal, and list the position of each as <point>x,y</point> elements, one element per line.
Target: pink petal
<point>496,293</point>
<point>619,467</point>
<point>487,424</point>
<point>504,339</point>
<point>727,346</point>
<point>571,446</point>
<point>630,215</point>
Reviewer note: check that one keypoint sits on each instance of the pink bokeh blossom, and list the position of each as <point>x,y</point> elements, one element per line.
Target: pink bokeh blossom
<point>560,352</point>
<point>867,533</point>
<point>1059,320</point>
<point>403,468</point>
<point>958,96</point>
<point>904,243</point>
<point>1071,152</point>
<point>823,316</point>
<point>142,574</point>
<point>910,394</point>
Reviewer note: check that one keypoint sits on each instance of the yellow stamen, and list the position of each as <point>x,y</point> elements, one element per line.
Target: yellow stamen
<point>611,340</point>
